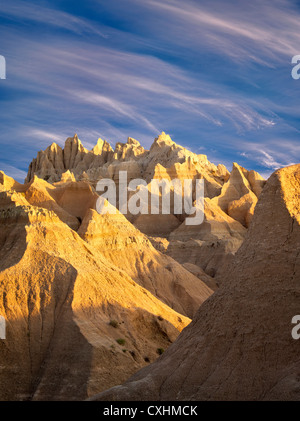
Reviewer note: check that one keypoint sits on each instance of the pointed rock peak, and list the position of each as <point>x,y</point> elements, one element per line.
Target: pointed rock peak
<point>100,142</point>
<point>255,175</point>
<point>7,182</point>
<point>74,144</point>
<point>239,170</point>
<point>73,140</point>
<point>162,140</point>
<point>67,176</point>
<point>54,147</point>
<point>97,149</point>
<point>131,141</point>
<point>84,176</point>
<point>3,177</point>
<point>236,166</point>
<point>36,179</point>
<point>102,145</point>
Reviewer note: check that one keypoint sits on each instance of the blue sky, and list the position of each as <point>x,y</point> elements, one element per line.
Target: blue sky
<point>215,75</point>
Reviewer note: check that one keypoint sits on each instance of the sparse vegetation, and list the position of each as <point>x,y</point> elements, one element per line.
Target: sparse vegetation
<point>121,341</point>
<point>114,324</point>
<point>160,351</point>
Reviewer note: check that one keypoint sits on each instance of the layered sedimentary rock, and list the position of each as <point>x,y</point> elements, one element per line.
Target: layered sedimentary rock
<point>76,323</point>
<point>210,244</point>
<point>239,346</point>
<point>130,250</point>
<point>118,240</point>
<point>240,193</point>
<point>87,299</point>
<point>230,197</point>
<point>103,161</point>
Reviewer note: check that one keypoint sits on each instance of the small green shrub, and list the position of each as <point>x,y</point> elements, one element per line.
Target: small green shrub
<point>160,351</point>
<point>121,341</point>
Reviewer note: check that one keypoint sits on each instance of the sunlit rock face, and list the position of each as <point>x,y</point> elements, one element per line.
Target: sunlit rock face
<point>87,299</point>
<point>230,197</point>
<point>239,345</point>
<point>240,193</point>
<point>76,323</point>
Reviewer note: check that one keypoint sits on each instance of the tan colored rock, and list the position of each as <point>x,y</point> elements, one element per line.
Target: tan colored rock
<point>103,161</point>
<point>199,272</point>
<point>103,149</point>
<point>76,198</point>
<point>159,243</point>
<point>127,248</point>
<point>156,225</point>
<point>256,181</point>
<point>128,151</point>
<point>237,198</point>
<point>236,193</point>
<point>40,193</point>
<point>242,210</point>
<point>67,176</point>
<point>8,183</point>
<point>209,244</point>
<point>239,345</point>
<point>65,307</point>
<point>73,152</point>
<point>48,165</point>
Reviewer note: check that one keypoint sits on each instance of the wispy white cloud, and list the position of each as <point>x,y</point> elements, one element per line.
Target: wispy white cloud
<point>253,31</point>
<point>13,172</point>
<point>272,154</point>
<point>200,71</point>
<point>25,11</point>
<point>120,80</point>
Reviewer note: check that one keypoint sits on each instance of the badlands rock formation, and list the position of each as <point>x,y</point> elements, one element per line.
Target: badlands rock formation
<point>119,241</point>
<point>130,250</point>
<point>239,195</point>
<point>239,345</point>
<point>87,299</point>
<point>230,197</point>
<point>209,244</point>
<point>76,323</point>
<point>103,161</point>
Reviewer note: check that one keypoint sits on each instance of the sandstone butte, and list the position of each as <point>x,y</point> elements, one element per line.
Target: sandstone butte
<point>239,344</point>
<point>89,299</point>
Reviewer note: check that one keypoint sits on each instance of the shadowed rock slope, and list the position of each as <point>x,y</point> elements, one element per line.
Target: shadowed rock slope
<point>239,345</point>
